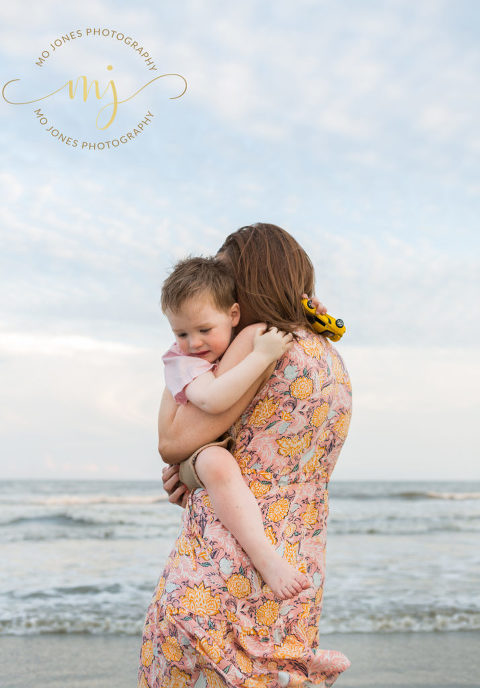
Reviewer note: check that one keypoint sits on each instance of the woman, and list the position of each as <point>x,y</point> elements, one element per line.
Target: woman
<point>212,620</point>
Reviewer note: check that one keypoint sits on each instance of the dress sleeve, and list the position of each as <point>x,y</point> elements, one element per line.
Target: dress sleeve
<point>180,370</point>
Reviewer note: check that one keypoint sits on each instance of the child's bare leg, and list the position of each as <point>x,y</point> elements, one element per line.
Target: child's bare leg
<point>238,510</point>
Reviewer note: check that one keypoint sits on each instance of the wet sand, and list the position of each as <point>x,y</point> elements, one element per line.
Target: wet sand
<point>389,660</point>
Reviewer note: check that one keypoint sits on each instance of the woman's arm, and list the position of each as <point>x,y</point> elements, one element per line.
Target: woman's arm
<point>182,429</point>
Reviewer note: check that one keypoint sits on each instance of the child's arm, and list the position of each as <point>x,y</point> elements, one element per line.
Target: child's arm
<point>184,428</point>
<point>217,394</point>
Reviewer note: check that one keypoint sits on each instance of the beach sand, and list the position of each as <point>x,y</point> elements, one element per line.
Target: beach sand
<point>389,660</point>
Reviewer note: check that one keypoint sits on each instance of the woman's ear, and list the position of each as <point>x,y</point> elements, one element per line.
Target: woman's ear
<point>235,314</point>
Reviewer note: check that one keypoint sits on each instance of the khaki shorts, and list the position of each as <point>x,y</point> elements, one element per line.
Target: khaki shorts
<point>187,473</point>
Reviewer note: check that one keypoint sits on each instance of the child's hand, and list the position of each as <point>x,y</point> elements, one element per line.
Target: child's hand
<point>319,307</point>
<point>271,344</point>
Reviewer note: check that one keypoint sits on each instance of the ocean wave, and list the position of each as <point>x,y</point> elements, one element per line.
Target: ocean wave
<point>420,622</point>
<point>79,500</point>
<point>387,529</point>
<point>406,495</point>
<point>66,526</point>
<point>96,622</point>
<point>430,494</point>
<point>93,534</point>
<point>59,519</point>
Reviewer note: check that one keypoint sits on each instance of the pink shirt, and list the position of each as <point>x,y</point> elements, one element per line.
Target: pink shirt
<point>181,369</point>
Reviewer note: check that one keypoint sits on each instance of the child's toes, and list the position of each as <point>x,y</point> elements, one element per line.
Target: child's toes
<point>297,585</point>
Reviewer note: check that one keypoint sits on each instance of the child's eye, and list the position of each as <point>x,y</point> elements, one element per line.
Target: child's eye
<point>182,335</point>
<point>205,331</point>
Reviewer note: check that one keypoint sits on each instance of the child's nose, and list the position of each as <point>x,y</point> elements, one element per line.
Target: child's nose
<point>195,342</point>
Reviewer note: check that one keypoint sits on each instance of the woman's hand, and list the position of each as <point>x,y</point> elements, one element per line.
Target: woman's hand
<point>319,307</point>
<point>177,491</point>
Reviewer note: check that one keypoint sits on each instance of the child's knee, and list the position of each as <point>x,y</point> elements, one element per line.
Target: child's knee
<point>215,464</point>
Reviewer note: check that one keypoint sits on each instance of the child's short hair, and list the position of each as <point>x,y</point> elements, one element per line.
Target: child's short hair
<point>194,275</point>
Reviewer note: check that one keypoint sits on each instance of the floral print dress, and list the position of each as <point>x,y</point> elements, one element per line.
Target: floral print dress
<point>213,622</point>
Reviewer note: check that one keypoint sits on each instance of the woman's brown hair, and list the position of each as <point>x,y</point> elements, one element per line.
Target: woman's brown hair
<point>271,272</point>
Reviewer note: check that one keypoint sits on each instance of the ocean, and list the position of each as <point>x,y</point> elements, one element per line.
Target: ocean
<point>84,556</point>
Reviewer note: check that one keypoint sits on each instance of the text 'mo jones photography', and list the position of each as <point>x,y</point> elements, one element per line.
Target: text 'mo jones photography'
<point>98,90</point>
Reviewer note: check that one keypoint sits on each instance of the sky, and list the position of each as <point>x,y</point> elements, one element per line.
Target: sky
<point>353,125</point>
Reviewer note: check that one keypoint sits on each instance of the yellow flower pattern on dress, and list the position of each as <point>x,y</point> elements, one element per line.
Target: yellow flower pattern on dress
<point>270,533</point>
<point>200,600</point>
<point>341,426</point>
<point>231,616</point>
<point>338,370</point>
<point>294,445</point>
<point>244,662</point>
<point>147,653</point>
<point>238,586</point>
<point>312,347</point>
<point>206,500</point>
<point>291,550</point>
<point>319,415</point>
<point>278,510</point>
<point>310,515</point>
<point>212,616</point>
<point>213,679</point>
<point>264,410</point>
<point>291,647</point>
<point>259,488</point>
<point>301,388</point>
<point>257,681</point>
<point>171,649</point>
<point>160,588</point>
<point>178,679</point>
<point>209,649</point>
<point>311,467</point>
<point>218,634</point>
<point>267,614</point>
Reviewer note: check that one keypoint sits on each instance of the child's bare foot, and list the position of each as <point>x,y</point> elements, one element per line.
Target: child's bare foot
<point>283,578</point>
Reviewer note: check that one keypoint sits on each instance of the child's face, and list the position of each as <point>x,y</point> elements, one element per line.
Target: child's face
<point>201,329</point>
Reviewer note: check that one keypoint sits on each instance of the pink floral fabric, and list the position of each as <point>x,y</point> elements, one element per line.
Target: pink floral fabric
<point>213,621</point>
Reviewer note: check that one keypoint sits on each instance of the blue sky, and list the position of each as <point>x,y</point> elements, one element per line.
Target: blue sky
<point>353,125</point>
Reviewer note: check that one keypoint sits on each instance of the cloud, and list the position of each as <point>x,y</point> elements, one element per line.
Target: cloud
<point>353,125</point>
<point>38,343</point>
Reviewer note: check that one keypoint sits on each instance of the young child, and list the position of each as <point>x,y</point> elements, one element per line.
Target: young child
<point>198,299</point>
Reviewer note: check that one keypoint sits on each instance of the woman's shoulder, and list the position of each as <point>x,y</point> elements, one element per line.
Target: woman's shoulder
<point>320,352</point>
<point>310,343</point>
